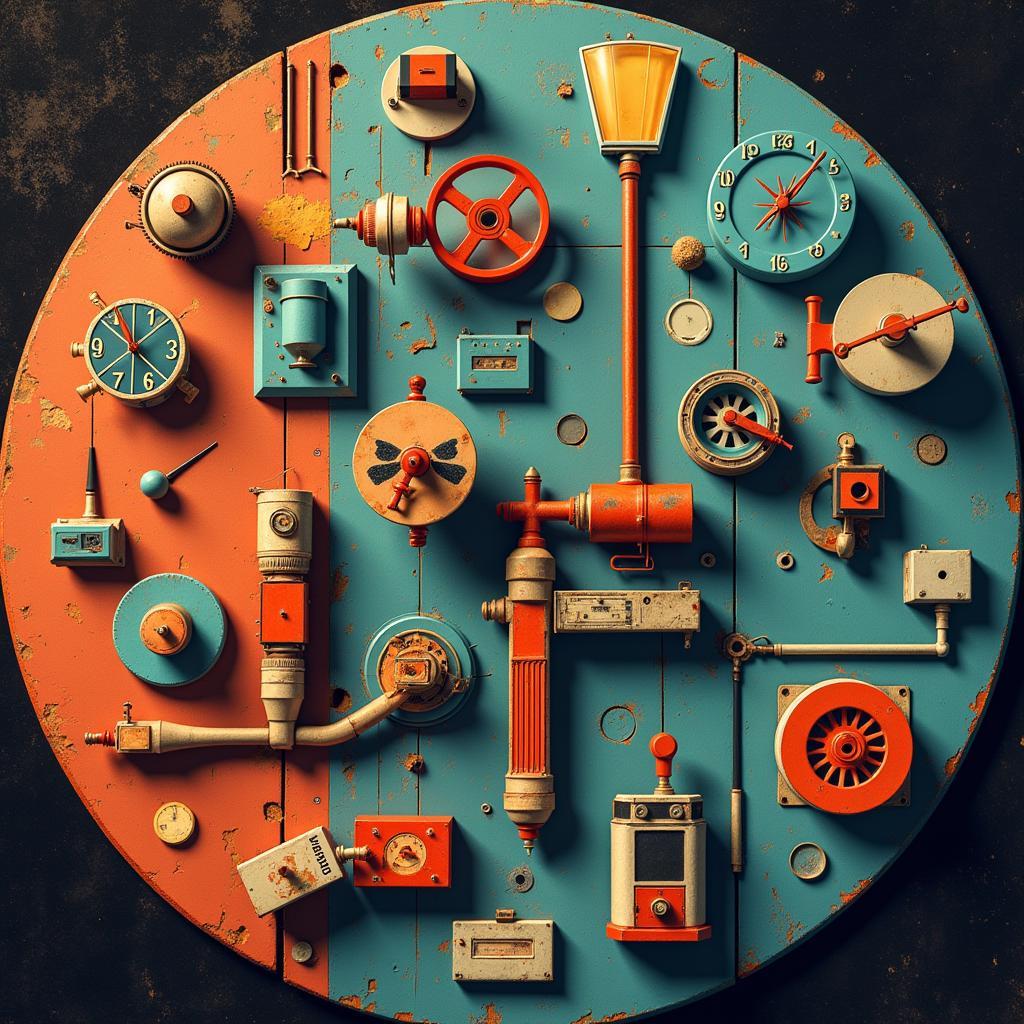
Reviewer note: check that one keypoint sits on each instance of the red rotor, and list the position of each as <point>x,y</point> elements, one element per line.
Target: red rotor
<point>844,746</point>
<point>487,219</point>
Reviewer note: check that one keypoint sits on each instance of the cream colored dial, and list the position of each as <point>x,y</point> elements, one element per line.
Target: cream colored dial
<point>174,823</point>
<point>405,854</point>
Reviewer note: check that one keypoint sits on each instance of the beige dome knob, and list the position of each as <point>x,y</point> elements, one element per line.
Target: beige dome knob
<point>186,210</point>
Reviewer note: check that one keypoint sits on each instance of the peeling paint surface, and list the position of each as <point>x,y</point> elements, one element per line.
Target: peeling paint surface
<point>366,575</point>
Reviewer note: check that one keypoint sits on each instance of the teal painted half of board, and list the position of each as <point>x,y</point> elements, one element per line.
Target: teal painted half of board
<point>400,939</point>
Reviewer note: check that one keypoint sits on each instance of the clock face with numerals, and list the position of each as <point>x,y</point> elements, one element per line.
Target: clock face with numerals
<point>781,205</point>
<point>136,351</point>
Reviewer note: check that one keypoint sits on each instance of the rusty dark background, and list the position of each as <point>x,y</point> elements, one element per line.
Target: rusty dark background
<point>936,88</point>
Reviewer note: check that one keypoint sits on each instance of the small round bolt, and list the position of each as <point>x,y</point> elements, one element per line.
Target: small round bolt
<point>708,560</point>
<point>785,560</point>
<point>435,879</point>
<point>486,808</point>
<point>270,283</point>
<point>375,832</point>
<point>375,878</point>
<point>182,205</point>
<point>335,378</point>
<point>659,907</point>
<point>268,306</point>
<point>302,952</point>
<point>640,810</point>
<point>430,832</point>
<point>393,103</point>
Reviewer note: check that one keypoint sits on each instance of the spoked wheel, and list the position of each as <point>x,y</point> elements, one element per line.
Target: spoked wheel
<point>844,746</point>
<point>490,219</point>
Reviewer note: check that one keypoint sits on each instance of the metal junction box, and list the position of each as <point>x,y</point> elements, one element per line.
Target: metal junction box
<point>290,871</point>
<point>936,577</point>
<point>627,611</point>
<point>503,950</point>
<point>87,541</point>
<point>500,363</point>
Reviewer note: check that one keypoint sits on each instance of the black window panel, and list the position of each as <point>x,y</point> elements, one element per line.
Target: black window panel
<point>658,855</point>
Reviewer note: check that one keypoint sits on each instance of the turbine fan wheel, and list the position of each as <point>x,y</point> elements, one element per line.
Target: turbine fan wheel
<point>843,746</point>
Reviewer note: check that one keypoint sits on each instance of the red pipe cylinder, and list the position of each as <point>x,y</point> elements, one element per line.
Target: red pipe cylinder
<point>637,514</point>
<point>629,174</point>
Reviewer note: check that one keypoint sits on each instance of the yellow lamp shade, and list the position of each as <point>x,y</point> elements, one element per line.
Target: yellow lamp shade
<point>629,84</point>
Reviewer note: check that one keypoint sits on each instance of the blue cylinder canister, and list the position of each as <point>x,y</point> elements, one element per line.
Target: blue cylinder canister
<point>303,320</point>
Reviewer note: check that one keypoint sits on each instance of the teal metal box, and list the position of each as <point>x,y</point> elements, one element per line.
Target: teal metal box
<point>335,365</point>
<point>500,363</point>
<point>86,541</point>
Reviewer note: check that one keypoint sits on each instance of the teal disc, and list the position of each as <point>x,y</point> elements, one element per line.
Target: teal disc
<point>456,651</point>
<point>197,657</point>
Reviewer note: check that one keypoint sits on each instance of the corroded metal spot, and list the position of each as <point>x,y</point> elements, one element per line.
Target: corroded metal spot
<point>931,449</point>
<point>571,429</point>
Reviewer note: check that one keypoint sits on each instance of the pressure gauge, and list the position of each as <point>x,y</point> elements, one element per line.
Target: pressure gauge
<point>729,423</point>
<point>688,322</point>
<point>781,206</point>
<point>405,854</point>
<point>174,823</point>
<point>135,350</point>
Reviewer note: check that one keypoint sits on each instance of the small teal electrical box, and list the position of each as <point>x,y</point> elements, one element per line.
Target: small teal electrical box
<point>305,323</point>
<point>87,541</point>
<point>501,363</point>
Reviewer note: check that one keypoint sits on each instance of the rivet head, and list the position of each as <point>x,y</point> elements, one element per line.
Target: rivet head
<point>302,952</point>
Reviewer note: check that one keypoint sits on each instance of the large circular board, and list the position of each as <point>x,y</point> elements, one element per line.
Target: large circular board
<point>391,953</point>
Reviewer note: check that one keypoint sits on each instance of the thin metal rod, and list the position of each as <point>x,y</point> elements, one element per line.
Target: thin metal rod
<point>178,470</point>
<point>939,649</point>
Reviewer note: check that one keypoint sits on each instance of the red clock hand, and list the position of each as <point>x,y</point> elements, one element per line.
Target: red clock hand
<point>735,419</point>
<point>895,326</point>
<point>791,192</point>
<point>133,345</point>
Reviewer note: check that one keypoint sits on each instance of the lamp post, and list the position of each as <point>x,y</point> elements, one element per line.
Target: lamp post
<point>630,85</point>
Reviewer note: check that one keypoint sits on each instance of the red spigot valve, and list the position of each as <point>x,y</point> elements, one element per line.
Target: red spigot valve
<point>415,462</point>
<point>663,747</point>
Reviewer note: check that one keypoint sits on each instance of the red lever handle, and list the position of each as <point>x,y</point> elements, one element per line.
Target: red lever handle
<point>663,747</point>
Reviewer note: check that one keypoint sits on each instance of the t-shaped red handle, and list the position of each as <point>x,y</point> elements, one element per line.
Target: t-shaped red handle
<point>663,747</point>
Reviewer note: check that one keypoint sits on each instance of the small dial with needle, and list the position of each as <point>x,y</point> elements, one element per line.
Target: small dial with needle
<point>729,423</point>
<point>405,854</point>
<point>781,206</point>
<point>136,351</point>
<point>174,823</point>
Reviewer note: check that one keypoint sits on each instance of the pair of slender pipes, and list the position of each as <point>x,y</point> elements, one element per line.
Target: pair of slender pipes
<point>289,160</point>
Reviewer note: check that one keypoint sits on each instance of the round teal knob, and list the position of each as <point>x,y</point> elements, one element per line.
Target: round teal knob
<point>154,484</point>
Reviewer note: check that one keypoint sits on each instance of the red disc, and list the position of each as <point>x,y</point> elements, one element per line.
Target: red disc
<point>489,218</point>
<point>844,746</point>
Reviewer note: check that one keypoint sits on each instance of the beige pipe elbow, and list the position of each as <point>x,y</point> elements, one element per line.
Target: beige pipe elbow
<point>349,727</point>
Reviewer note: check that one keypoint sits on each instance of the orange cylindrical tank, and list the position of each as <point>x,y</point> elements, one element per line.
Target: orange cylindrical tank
<point>636,513</point>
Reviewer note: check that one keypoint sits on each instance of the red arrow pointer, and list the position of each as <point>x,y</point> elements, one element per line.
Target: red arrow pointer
<point>735,419</point>
<point>896,327</point>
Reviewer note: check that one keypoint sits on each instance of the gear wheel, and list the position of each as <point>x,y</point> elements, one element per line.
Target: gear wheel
<point>185,224</point>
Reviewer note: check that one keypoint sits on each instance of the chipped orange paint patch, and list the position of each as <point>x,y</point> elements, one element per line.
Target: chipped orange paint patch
<point>1013,501</point>
<point>296,221</point>
<point>783,920</point>
<point>354,1002</point>
<point>872,159</point>
<point>907,230</point>
<point>502,422</point>
<point>589,1018</point>
<point>339,583</point>
<point>852,894</point>
<point>491,1015</point>
<point>802,415</point>
<point>708,83</point>
<point>827,572</point>
<point>750,963</point>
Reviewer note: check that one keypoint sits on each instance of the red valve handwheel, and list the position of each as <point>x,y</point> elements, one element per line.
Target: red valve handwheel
<point>844,746</point>
<point>487,219</point>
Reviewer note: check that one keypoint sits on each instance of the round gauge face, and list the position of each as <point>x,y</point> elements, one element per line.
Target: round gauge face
<point>405,854</point>
<point>688,322</point>
<point>781,205</point>
<point>174,823</point>
<point>715,438</point>
<point>136,351</point>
